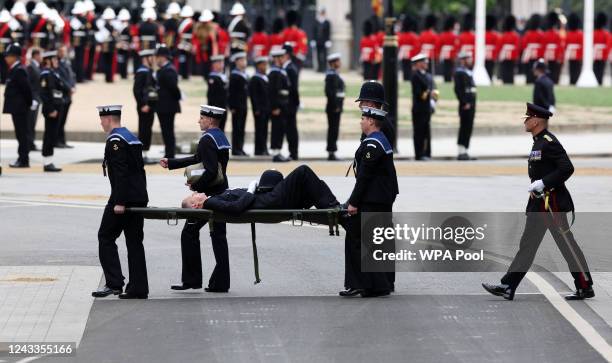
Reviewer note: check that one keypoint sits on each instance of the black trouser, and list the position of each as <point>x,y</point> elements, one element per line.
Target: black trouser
<point>192,259</point>
<point>490,67</point>
<point>89,67</point>
<point>78,66</point>
<point>555,70</point>
<point>466,123</point>
<point>261,133</point>
<point>367,71</point>
<point>354,277</point>
<point>184,63</point>
<point>107,61</point>
<point>321,57</point>
<point>166,121</point>
<point>20,124</point>
<point>61,130</point>
<point>333,129</point>
<point>145,126</point>
<point>599,68</point>
<point>131,225</point>
<point>50,135</point>
<point>291,131</point>
<point>205,69</point>
<point>507,71</point>
<point>406,69</point>
<point>575,66</point>
<point>528,68</point>
<point>136,62</point>
<point>32,118</point>
<point>3,69</point>
<point>447,69</point>
<point>238,125</point>
<point>536,226</point>
<point>278,130</point>
<point>122,63</point>
<point>421,133</point>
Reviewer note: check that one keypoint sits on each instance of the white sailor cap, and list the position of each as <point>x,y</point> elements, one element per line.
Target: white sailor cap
<point>334,56</point>
<point>419,57</point>
<point>278,52</point>
<point>464,55</point>
<point>375,113</point>
<point>49,54</point>
<point>109,110</point>
<point>212,111</point>
<point>217,58</point>
<point>234,57</point>
<point>146,52</point>
<point>261,59</point>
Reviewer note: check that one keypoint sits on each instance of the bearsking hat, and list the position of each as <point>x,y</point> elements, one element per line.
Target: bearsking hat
<point>292,17</point>
<point>146,52</point>
<point>109,110</point>
<point>537,111</point>
<point>430,21</point>
<point>278,25</point>
<point>334,56</point>
<point>372,91</point>
<point>260,24</point>
<point>212,111</point>
<point>49,54</point>
<point>409,24</point>
<point>375,113</point>
<point>269,179</point>
<point>491,22</point>
<point>600,20</point>
<point>534,22</point>
<point>13,49</point>
<point>468,22</point>
<point>509,23</point>
<point>449,23</point>
<point>573,22</point>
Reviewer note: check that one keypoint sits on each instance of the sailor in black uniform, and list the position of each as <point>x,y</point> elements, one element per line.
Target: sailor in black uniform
<point>334,91</point>
<point>237,101</point>
<point>543,87</point>
<point>424,97</point>
<point>146,95</point>
<point>260,104</point>
<point>293,105</point>
<point>279,103</point>
<point>465,90</point>
<point>217,86</point>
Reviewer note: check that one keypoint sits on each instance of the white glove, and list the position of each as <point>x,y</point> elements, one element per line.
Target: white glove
<point>313,44</point>
<point>34,105</point>
<point>536,186</point>
<point>328,44</point>
<point>432,103</point>
<point>552,109</point>
<point>252,186</point>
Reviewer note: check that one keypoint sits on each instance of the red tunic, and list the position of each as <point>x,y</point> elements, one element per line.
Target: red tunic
<point>467,42</point>
<point>276,40</point>
<point>223,40</point>
<point>531,46</point>
<point>447,46</point>
<point>429,39</point>
<point>259,44</point>
<point>601,44</point>
<point>298,40</point>
<point>573,44</point>
<point>408,45</point>
<point>367,49</point>
<point>553,45</point>
<point>491,39</point>
<point>508,46</point>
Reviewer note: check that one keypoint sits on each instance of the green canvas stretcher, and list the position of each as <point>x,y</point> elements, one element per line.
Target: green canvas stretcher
<point>329,217</point>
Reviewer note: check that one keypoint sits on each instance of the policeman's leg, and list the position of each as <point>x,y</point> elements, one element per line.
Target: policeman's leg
<point>110,230</point>
<point>137,265</point>
<point>166,121</point>
<point>190,252</point>
<point>21,134</point>
<point>220,277</point>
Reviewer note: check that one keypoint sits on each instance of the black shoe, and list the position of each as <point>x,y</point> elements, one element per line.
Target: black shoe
<point>105,291</point>
<point>214,289</point>
<point>294,157</point>
<point>581,294</point>
<point>465,157</point>
<point>500,290</point>
<point>51,168</point>
<point>129,295</point>
<point>19,164</point>
<point>280,159</point>
<point>63,145</point>
<point>375,293</point>
<point>33,147</point>
<point>424,158</point>
<point>266,153</point>
<point>185,287</point>
<point>350,292</point>
<point>332,157</point>
<point>239,153</point>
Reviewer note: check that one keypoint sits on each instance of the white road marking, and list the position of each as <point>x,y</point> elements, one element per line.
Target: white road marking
<point>53,204</point>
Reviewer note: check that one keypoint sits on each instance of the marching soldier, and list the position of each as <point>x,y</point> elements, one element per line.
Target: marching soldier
<point>424,97</point>
<point>291,130</point>
<point>125,169</point>
<point>169,97</point>
<point>146,95</point>
<point>260,104</point>
<point>334,91</point>
<point>124,43</point>
<point>213,153</point>
<point>106,38</point>
<point>184,40</point>
<point>543,88</point>
<point>465,90</point>
<point>217,86</point>
<point>508,50</point>
<point>237,101</point>
<point>547,208</point>
<point>573,46</point>
<point>279,103</point>
<point>276,37</point>
<point>79,39</point>
<point>238,29</point>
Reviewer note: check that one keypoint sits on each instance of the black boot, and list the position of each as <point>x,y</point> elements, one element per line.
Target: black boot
<point>500,290</point>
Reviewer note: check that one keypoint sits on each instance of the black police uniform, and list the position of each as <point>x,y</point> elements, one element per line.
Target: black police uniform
<point>125,169</point>
<point>465,90</point>
<point>237,103</point>
<point>146,94</point>
<point>168,105</point>
<point>334,91</point>
<point>279,100</point>
<point>17,103</point>
<point>213,153</point>
<point>375,190</point>
<point>217,93</point>
<point>543,92</point>
<point>549,162</point>
<point>292,109</point>
<point>52,93</point>
<point>422,86</point>
<point>260,104</point>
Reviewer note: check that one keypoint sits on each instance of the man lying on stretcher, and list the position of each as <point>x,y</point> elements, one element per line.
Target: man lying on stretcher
<point>301,189</point>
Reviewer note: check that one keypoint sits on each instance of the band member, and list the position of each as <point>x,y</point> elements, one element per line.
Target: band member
<point>146,94</point>
<point>218,86</point>
<point>553,46</point>
<point>148,30</point>
<point>124,42</point>
<point>125,169</point>
<point>170,29</point>
<point>424,96</point>
<point>334,92</point>
<point>206,43</point>
<point>465,90</point>
<point>169,97</point>
<point>40,27</point>
<point>78,40</point>
<point>238,95</point>
<point>447,48</point>
<point>279,103</point>
<point>260,104</point>
<point>106,37</point>
<point>408,45</point>
<point>531,45</point>
<point>238,29</point>
<point>573,46</point>
<point>5,39</point>
<point>259,44</point>
<point>91,54</point>
<point>601,46</point>
<point>185,42</point>
<point>508,50</point>
<point>491,39</point>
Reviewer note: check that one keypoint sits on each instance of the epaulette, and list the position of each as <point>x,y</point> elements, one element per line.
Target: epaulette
<point>548,138</point>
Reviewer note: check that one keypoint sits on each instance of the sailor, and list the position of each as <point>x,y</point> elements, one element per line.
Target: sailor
<point>218,85</point>
<point>293,105</point>
<point>279,103</point>
<point>424,97</point>
<point>169,97</point>
<point>260,104</point>
<point>237,101</point>
<point>334,91</point>
<point>146,95</point>
<point>465,90</point>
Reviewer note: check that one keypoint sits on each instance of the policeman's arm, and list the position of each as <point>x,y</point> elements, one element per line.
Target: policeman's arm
<point>555,152</point>
<point>118,163</point>
<point>139,85</point>
<point>26,89</point>
<point>207,154</point>
<point>366,171</point>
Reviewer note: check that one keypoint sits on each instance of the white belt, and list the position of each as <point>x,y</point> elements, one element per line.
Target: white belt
<point>340,95</point>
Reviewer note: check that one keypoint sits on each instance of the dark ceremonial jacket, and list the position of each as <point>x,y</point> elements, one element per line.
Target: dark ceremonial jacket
<point>294,90</point>
<point>213,151</point>
<point>33,70</point>
<point>238,90</point>
<point>422,85</point>
<point>125,168</point>
<point>53,91</point>
<point>549,161</point>
<point>217,90</point>
<point>334,91</point>
<point>279,88</point>
<point>465,89</point>
<point>17,92</point>
<point>169,92</point>
<point>375,172</point>
<point>258,92</point>
<point>145,87</point>
<point>543,92</point>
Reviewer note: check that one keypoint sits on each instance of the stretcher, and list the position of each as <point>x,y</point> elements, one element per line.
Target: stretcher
<point>330,217</point>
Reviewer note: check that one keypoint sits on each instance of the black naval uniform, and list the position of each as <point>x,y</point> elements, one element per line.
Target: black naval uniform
<point>146,94</point>
<point>52,93</point>
<point>217,93</point>
<point>549,162</point>
<point>67,75</point>
<point>125,168</point>
<point>292,109</point>
<point>213,153</point>
<point>279,100</point>
<point>334,91</point>
<point>422,86</point>
<point>543,92</point>
<point>168,105</point>
<point>260,104</point>
<point>17,102</point>
<point>465,90</point>
<point>375,191</point>
<point>237,103</point>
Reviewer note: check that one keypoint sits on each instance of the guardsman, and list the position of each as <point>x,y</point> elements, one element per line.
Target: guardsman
<point>238,95</point>
<point>124,42</point>
<point>296,37</point>
<point>276,37</point>
<point>146,95</point>
<point>293,75</point>
<point>259,44</point>
<point>553,46</point>
<point>78,39</point>
<point>213,153</point>
<point>465,90</point>
<point>169,97</point>
<point>125,170</point>
<point>106,37</point>
<point>322,38</point>
<point>547,208</point>
<point>238,29</point>
<point>428,38</point>
<point>573,46</point>
<point>5,40</point>
<point>601,46</point>
<point>52,93</point>
<point>217,86</point>
<point>260,104</point>
<point>424,97</point>
<point>17,102</point>
<point>508,50</point>
<point>335,92</point>
<point>375,190</point>
<point>184,40</point>
<point>467,39</point>
<point>447,48</point>
<point>279,103</point>
<point>367,49</point>
<point>408,45</point>
<point>491,39</point>
<point>543,87</point>
<point>531,45</point>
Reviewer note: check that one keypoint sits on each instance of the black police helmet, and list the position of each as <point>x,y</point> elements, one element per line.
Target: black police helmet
<point>13,49</point>
<point>372,91</point>
<point>269,179</point>
<point>163,51</point>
